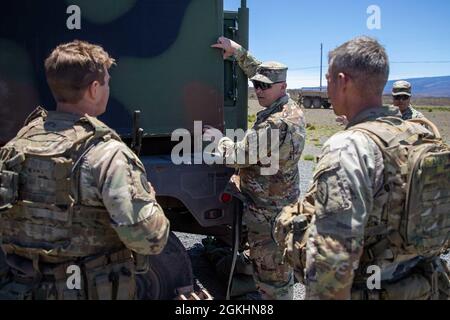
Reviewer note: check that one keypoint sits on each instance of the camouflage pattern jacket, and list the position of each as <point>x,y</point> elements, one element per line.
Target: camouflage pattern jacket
<point>411,113</point>
<point>271,181</point>
<point>78,191</point>
<point>349,196</point>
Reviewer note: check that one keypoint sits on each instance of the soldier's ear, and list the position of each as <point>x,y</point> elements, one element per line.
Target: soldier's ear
<point>92,90</point>
<point>343,79</point>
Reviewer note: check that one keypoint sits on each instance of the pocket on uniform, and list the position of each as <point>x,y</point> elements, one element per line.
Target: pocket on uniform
<point>141,188</point>
<point>332,188</point>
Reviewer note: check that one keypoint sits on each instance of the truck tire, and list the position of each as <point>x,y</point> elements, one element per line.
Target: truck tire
<point>317,103</point>
<point>169,271</point>
<point>3,265</point>
<point>307,103</point>
<point>327,105</point>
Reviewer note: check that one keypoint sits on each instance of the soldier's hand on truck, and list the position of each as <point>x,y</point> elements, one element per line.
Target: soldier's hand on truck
<point>228,46</point>
<point>342,120</point>
<point>211,134</point>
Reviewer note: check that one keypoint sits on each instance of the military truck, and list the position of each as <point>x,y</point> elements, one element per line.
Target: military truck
<point>314,98</point>
<point>167,70</point>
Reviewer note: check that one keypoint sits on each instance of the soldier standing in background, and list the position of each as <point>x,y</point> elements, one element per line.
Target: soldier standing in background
<point>76,194</point>
<point>266,195</point>
<point>401,94</point>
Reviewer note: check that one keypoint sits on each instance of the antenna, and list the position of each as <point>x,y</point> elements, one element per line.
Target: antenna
<point>321,65</point>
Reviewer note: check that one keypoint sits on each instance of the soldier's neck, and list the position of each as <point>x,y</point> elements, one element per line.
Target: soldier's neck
<point>405,110</point>
<point>281,96</point>
<point>72,108</point>
<point>362,103</point>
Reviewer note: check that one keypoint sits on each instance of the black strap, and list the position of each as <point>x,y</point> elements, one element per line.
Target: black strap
<point>237,227</point>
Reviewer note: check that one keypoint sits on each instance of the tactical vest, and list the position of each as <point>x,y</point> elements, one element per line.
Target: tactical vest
<point>415,220</point>
<point>41,216</point>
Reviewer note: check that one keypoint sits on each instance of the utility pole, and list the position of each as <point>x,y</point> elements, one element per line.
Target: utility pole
<point>321,65</point>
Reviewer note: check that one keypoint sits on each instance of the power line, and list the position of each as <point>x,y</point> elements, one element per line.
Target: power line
<point>306,68</point>
<point>393,62</point>
<point>420,62</point>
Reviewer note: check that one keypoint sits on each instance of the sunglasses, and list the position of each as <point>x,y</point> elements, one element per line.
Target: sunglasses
<point>402,98</point>
<point>261,85</point>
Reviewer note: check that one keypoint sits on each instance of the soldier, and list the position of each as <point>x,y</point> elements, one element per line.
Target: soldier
<point>401,94</point>
<point>266,195</point>
<point>76,196</point>
<point>362,221</point>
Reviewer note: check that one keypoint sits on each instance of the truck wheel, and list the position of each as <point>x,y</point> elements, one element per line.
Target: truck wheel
<point>3,265</point>
<point>317,103</point>
<point>307,103</point>
<point>168,272</point>
<point>327,105</point>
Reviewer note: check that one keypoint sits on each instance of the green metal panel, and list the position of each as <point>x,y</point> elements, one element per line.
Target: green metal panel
<point>236,83</point>
<point>165,66</point>
<point>184,83</point>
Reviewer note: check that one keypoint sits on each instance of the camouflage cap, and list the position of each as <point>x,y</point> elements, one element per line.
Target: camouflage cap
<point>401,88</point>
<point>271,72</point>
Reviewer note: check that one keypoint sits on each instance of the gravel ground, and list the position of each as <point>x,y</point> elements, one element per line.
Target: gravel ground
<point>203,270</point>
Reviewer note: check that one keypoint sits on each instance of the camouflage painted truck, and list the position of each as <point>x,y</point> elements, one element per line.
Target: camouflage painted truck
<point>314,98</point>
<point>167,70</point>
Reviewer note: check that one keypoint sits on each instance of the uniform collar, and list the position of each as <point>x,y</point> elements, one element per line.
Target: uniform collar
<point>273,108</point>
<point>408,110</point>
<point>63,116</point>
<point>373,114</point>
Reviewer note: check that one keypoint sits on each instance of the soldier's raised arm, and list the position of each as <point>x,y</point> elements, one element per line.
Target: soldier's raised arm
<point>248,63</point>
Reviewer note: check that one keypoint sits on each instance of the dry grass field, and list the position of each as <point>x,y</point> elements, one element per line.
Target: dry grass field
<point>323,122</point>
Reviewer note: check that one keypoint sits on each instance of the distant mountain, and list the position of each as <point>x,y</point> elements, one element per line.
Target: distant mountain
<point>433,87</point>
<point>426,87</point>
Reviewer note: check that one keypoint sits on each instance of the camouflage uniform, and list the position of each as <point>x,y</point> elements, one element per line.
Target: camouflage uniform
<point>266,195</point>
<point>349,195</point>
<point>404,88</point>
<point>411,113</point>
<point>80,197</point>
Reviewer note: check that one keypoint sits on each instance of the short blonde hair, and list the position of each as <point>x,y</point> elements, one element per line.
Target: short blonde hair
<point>73,66</point>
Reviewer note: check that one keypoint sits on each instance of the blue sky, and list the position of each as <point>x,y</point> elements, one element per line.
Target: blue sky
<point>291,31</point>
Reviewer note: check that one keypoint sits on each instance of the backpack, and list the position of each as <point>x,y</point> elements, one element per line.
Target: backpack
<point>416,216</point>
